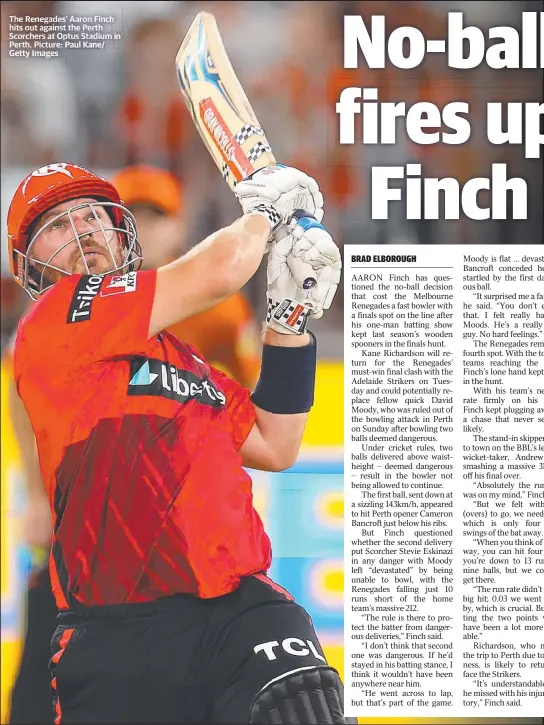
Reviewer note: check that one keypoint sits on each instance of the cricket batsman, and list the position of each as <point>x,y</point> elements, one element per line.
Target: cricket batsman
<point>227,335</point>
<point>159,560</point>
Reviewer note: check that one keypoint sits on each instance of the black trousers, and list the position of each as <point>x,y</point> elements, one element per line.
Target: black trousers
<point>180,659</point>
<point>31,694</point>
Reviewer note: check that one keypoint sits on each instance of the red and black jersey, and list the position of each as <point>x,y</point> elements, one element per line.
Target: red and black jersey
<point>138,441</point>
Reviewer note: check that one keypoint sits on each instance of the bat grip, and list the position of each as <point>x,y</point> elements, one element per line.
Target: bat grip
<point>299,215</point>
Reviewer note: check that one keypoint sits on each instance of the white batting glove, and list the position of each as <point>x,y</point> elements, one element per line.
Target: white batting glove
<point>315,264</point>
<point>285,311</point>
<point>277,191</point>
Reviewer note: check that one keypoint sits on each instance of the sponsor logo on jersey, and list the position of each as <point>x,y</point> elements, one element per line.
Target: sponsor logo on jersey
<point>119,285</point>
<point>291,646</point>
<point>81,305</point>
<point>155,377</point>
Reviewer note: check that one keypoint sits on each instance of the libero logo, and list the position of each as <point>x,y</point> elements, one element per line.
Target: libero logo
<point>155,377</point>
<point>81,305</point>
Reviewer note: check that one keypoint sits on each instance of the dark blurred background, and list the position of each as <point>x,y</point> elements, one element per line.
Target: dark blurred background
<point>108,108</point>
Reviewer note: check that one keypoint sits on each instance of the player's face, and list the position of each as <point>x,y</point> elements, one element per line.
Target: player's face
<point>162,237</point>
<point>57,245</point>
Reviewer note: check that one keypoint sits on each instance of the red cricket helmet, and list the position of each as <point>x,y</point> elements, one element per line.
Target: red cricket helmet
<point>42,190</point>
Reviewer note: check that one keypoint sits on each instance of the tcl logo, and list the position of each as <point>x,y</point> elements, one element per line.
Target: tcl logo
<point>291,646</point>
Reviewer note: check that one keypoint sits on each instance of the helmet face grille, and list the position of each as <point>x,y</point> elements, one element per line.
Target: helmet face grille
<point>115,241</point>
<point>44,189</point>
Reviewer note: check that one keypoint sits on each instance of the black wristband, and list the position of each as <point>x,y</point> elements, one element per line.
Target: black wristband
<point>286,384</point>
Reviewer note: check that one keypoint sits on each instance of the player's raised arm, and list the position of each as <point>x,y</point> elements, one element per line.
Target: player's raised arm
<point>284,393</point>
<point>211,272</point>
<point>224,262</point>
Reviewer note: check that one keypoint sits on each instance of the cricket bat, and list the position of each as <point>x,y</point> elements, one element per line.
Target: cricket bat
<point>222,112</point>
<point>218,104</point>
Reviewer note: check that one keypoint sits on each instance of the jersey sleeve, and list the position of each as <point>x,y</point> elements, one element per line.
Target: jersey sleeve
<point>85,319</point>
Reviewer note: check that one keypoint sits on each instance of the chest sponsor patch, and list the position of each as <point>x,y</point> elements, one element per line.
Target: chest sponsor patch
<point>84,294</point>
<point>149,376</point>
<point>119,285</point>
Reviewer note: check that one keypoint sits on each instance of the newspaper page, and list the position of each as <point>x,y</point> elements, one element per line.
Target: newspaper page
<point>410,526</point>
<point>444,481</point>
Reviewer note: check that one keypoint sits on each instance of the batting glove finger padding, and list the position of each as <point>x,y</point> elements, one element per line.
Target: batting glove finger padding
<point>285,311</point>
<point>315,263</point>
<point>283,188</point>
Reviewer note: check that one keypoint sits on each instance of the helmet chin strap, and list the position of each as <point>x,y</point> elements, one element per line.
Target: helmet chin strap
<point>36,278</point>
